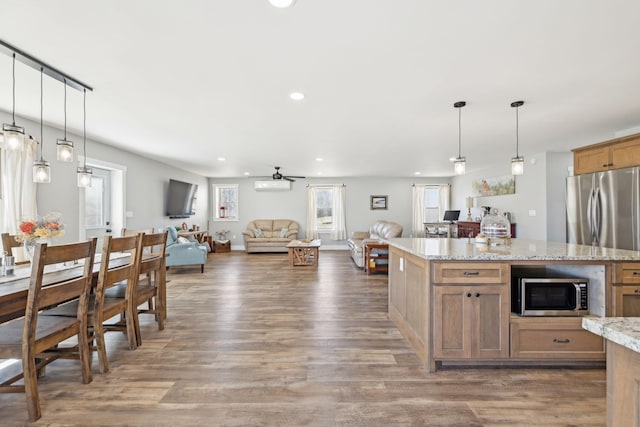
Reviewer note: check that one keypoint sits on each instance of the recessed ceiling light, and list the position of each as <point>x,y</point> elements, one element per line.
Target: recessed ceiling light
<point>319,173</point>
<point>247,173</point>
<point>296,96</point>
<point>417,173</point>
<point>282,3</point>
<point>319,159</point>
<point>221,159</point>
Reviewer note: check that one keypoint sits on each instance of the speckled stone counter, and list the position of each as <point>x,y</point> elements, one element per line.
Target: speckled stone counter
<point>624,331</point>
<point>517,249</point>
<point>623,366</point>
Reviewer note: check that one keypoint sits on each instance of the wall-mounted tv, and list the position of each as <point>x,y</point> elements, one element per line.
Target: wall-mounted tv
<point>181,197</point>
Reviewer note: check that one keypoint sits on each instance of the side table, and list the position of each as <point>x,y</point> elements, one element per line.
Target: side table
<point>376,258</point>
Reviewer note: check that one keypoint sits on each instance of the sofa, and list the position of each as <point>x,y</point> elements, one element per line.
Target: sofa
<point>379,230</point>
<point>269,235</point>
<point>184,251</point>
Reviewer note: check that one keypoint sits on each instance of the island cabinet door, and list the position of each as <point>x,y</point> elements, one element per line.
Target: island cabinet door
<point>471,322</point>
<point>626,301</point>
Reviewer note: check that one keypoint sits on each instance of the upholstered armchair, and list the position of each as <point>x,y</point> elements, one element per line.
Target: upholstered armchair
<point>184,252</point>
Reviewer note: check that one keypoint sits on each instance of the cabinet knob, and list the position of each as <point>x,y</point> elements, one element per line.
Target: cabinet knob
<point>636,273</point>
<point>637,291</point>
<point>469,295</point>
<point>562,340</point>
<point>605,165</point>
<point>477,294</point>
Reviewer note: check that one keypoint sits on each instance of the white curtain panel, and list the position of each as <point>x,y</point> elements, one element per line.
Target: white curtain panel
<point>339,231</point>
<point>417,222</point>
<point>18,189</point>
<point>311,231</point>
<point>445,192</point>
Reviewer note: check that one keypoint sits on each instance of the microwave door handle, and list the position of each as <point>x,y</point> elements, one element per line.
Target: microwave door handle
<point>578,295</point>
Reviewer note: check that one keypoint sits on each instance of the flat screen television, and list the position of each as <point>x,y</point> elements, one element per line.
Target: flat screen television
<point>451,216</point>
<point>181,198</point>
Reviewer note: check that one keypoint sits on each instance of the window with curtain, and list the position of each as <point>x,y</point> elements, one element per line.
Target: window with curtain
<point>326,211</point>
<point>18,189</point>
<point>429,204</point>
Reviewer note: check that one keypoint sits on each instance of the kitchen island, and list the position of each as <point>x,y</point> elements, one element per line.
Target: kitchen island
<point>623,367</point>
<point>451,299</point>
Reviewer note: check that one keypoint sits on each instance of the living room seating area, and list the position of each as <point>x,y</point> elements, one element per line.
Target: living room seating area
<point>379,230</point>
<point>269,235</point>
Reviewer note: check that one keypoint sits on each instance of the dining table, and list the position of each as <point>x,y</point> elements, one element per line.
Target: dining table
<point>15,288</point>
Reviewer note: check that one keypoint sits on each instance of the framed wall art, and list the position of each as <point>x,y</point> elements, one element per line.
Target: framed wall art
<point>378,202</point>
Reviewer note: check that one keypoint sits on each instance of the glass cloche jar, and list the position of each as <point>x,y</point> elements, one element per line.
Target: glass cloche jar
<point>494,226</point>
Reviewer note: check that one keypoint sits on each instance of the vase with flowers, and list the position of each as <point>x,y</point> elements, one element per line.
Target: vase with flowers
<point>40,230</point>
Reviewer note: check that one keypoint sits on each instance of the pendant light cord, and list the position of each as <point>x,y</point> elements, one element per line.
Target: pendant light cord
<point>84,128</point>
<point>517,132</point>
<point>14,89</point>
<point>41,112</point>
<point>65,109</point>
<point>459,131</point>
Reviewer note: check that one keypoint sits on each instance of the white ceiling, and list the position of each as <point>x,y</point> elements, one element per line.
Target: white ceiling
<point>186,82</point>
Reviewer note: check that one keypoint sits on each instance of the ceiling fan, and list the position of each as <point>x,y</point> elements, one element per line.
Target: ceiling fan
<point>278,176</point>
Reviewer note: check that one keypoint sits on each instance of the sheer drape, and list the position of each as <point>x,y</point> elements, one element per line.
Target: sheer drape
<point>311,230</point>
<point>418,205</point>
<point>339,231</point>
<point>417,222</point>
<point>18,189</point>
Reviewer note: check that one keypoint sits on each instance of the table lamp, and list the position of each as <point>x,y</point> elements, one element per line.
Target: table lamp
<point>469,206</point>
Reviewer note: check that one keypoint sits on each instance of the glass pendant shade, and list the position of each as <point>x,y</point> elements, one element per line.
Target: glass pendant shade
<point>459,165</point>
<point>41,172</point>
<point>282,3</point>
<point>13,137</point>
<point>84,177</point>
<point>64,150</point>
<point>517,165</point>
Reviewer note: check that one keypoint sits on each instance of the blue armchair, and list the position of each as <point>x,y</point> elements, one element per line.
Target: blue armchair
<point>189,253</point>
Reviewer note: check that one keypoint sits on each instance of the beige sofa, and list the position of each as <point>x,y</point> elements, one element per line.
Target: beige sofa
<point>379,230</point>
<point>269,235</point>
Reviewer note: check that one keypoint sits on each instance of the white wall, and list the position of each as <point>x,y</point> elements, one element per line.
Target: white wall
<point>292,204</point>
<point>537,207</point>
<point>146,184</point>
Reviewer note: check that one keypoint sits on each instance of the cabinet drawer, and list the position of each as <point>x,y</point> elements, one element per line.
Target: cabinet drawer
<point>470,273</point>
<point>627,273</point>
<point>554,338</point>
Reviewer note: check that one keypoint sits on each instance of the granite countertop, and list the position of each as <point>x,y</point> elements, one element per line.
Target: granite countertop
<point>518,249</point>
<point>621,330</point>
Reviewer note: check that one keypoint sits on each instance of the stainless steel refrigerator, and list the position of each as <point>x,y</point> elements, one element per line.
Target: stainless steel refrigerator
<point>602,209</point>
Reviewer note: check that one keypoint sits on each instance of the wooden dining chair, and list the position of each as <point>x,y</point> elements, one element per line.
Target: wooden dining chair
<point>34,338</point>
<point>150,289</point>
<point>9,242</point>
<point>102,308</point>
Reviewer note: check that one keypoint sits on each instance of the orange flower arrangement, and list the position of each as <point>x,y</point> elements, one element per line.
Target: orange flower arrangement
<point>47,226</point>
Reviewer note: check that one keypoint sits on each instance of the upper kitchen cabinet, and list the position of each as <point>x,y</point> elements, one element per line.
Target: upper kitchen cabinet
<point>614,154</point>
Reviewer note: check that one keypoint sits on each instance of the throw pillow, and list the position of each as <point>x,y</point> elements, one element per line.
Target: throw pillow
<point>183,240</point>
<point>283,232</point>
<point>258,233</point>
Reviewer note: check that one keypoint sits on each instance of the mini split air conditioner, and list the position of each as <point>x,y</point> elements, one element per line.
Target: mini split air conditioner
<point>273,185</point>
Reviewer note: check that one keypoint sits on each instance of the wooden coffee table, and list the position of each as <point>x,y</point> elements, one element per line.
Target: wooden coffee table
<point>303,253</point>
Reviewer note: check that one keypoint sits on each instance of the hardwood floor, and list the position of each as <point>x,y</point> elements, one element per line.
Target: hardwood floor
<point>253,342</point>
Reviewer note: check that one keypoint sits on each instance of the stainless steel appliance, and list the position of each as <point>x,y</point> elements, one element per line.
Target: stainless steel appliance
<point>550,296</point>
<point>603,209</point>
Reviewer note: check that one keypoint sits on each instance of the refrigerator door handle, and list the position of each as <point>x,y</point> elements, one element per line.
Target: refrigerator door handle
<point>597,217</point>
<point>590,214</point>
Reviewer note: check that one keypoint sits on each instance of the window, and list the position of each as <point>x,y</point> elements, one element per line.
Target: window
<point>95,202</point>
<point>431,205</point>
<point>226,207</point>
<point>324,208</point>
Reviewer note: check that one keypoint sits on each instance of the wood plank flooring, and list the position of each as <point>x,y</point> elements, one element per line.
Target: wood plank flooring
<point>253,342</point>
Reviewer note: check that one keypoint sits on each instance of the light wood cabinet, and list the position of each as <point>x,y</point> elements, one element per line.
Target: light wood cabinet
<point>614,154</point>
<point>554,338</point>
<point>623,391</point>
<point>626,301</point>
<point>471,322</point>
<point>470,272</point>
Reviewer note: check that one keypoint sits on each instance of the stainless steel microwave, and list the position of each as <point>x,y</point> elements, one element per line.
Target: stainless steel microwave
<point>550,296</point>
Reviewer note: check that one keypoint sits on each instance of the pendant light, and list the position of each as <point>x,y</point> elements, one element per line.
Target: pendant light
<point>517,162</point>
<point>13,135</point>
<point>282,3</point>
<point>84,173</point>
<point>64,147</point>
<point>41,168</point>
<point>459,163</point>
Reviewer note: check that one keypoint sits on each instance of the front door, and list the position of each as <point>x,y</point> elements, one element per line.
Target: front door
<point>98,205</point>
